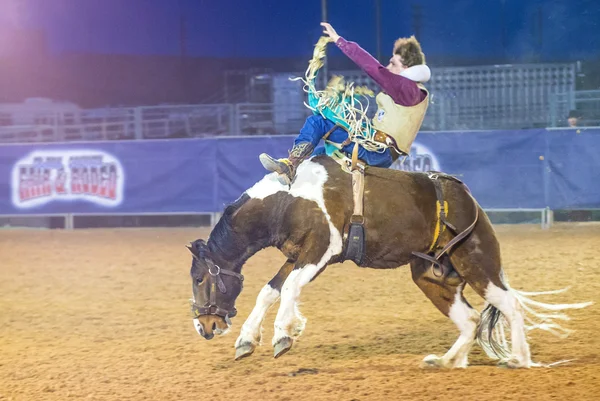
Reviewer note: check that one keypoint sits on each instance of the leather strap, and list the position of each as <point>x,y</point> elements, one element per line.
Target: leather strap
<point>346,142</point>
<point>358,188</point>
<point>213,291</point>
<point>354,157</point>
<point>463,234</point>
<point>329,132</point>
<point>215,282</point>
<point>440,227</point>
<point>440,196</point>
<point>355,249</point>
<point>435,259</point>
<point>386,140</point>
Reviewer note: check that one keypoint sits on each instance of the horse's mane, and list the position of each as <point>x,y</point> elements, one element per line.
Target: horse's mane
<point>220,237</point>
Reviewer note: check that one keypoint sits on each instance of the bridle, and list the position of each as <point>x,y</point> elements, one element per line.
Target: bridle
<point>215,281</point>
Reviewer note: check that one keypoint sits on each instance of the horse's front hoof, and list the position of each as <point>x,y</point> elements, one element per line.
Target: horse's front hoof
<point>244,350</point>
<point>282,346</point>
<point>432,362</point>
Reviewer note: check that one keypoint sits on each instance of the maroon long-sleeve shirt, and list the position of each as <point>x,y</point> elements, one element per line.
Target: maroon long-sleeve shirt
<point>401,89</point>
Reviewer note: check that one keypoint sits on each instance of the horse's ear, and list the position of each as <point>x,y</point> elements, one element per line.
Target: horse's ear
<point>198,248</point>
<point>192,250</point>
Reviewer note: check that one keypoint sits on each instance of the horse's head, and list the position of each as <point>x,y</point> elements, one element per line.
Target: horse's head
<point>215,289</point>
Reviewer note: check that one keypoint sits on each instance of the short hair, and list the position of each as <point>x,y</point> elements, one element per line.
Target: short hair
<point>409,49</point>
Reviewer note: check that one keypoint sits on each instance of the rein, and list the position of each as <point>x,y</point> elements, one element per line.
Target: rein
<point>215,282</point>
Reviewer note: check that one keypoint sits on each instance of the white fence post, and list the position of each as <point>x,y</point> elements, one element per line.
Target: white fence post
<point>138,124</point>
<point>69,222</point>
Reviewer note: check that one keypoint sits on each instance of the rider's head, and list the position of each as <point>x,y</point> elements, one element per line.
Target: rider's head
<point>407,53</point>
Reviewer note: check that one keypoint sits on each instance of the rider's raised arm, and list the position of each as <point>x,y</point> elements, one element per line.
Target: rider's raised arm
<point>402,90</point>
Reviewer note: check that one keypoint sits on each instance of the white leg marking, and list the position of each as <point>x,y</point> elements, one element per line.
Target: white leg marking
<point>300,322</point>
<point>289,320</point>
<point>524,314</point>
<point>466,319</point>
<point>510,307</point>
<point>308,184</point>
<point>252,328</point>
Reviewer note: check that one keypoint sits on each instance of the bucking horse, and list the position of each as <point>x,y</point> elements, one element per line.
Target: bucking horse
<point>430,221</point>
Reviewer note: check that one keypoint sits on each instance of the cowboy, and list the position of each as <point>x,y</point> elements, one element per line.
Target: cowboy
<point>402,104</point>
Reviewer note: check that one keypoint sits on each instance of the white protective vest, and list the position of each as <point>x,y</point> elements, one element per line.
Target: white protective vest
<point>402,123</point>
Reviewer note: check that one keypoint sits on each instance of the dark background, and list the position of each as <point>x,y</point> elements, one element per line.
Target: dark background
<point>137,52</point>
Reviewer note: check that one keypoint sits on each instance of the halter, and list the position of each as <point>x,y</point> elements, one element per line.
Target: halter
<point>214,281</point>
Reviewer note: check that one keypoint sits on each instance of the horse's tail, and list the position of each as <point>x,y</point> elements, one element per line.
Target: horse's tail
<point>490,336</point>
<point>537,315</point>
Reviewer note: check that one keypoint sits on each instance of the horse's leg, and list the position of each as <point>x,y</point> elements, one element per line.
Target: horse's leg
<point>478,261</point>
<point>446,293</point>
<point>251,333</point>
<point>289,323</point>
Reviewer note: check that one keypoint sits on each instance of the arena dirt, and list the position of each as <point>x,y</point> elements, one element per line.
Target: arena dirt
<point>103,315</point>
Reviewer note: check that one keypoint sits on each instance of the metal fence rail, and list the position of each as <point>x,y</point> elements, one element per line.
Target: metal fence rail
<point>122,123</point>
<point>462,98</point>
<point>546,216</point>
<point>586,102</point>
<point>490,97</point>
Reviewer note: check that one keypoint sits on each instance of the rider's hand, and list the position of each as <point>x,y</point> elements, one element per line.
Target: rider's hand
<point>329,31</point>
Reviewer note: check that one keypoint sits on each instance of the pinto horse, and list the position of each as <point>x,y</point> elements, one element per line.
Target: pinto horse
<point>307,222</point>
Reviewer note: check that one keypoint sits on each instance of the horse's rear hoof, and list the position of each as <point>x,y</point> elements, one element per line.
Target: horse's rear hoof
<point>432,362</point>
<point>244,350</point>
<point>282,346</point>
<point>512,364</point>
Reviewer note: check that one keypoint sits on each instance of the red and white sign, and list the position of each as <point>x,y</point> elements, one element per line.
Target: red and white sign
<point>49,175</point>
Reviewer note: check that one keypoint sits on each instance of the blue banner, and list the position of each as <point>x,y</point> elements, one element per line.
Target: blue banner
<point>574,169</point>
<point>108,177</point>
<point>504,169</point>
<point>238,167</point>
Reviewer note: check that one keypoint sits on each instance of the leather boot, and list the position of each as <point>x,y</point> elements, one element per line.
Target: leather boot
<point>286,168</point>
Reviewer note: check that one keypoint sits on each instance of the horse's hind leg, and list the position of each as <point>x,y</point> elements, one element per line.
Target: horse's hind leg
<point>478,261</point>
<point>250,335</point>
<point>446,293</point>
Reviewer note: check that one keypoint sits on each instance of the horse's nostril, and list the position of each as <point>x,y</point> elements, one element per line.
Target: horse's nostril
<point>214,326</point>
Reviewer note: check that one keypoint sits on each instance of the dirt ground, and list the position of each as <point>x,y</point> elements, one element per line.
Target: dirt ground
<point>103,315</point>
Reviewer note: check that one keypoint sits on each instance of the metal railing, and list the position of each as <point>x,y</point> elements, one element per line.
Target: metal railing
<point>489,97</point>
<point>546,219</point>
<point>123,123</point>
<point>469,112</point>
<point>585,102</point>
<point>159,122</point>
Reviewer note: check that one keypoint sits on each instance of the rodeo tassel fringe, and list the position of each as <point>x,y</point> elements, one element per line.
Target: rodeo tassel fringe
<point>341,99</point>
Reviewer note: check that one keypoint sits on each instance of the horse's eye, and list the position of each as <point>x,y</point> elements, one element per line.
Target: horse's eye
<point>199,280</point>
